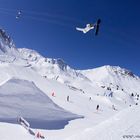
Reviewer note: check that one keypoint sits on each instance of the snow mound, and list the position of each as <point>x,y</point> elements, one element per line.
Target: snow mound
<point>23,98</point>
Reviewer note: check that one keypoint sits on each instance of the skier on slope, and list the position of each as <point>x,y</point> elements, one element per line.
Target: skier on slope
<point>68,98</point>
<point>97,108</point>
<point>53,94</point>
<point>90,98</point>
<point>113,107</point>
<point>110,94</point>
<point>39,135</point>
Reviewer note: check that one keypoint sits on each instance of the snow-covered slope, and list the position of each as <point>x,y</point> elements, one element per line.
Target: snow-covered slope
<point>51,68</point>
<point>27,81</point>
<point>57,69</point>
<point>8,51</point>
<point>14,132</point>
<point>23,98</point>
<point>6,44</point>
<point>124,125</point>
<point>114,77</point>
<point>92,82</point>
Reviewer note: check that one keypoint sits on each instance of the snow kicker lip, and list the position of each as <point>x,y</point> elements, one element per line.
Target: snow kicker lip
<point>43,124</point>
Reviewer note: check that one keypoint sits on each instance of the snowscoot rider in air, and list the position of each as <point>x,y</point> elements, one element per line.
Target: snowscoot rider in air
<point>90,27</point>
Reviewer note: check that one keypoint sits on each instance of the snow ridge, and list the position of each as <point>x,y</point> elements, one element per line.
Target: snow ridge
<point>7,45</point>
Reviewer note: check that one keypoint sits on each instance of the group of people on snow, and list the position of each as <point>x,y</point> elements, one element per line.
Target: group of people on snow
<point>90,98</point>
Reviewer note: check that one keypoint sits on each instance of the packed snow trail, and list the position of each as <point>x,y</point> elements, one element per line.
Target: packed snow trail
<point>14,132</point>
<point>125,124</point>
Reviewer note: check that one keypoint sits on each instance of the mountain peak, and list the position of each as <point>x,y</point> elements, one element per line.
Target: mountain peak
<point>7,45</point>
<point>32,55</point>
<point>61,63</point>
<point>119,71</point>
<point>29,54</point>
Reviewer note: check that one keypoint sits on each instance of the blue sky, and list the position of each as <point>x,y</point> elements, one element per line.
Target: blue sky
<point>48,26</point>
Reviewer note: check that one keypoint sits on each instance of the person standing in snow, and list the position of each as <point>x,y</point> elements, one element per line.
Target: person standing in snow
<point>90,98</point>
<point>39,135</point>
<point>113,107</point>
<point>53,94</point>
<point>111,94</point>
<point>97,108</point>
<point>68,98</point>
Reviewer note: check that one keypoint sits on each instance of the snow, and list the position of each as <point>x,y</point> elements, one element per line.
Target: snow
<point>124,123</point>
<point>116,127</point>
<point>27,81</point>
<point>23,98</point>
<point>14,132</point>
